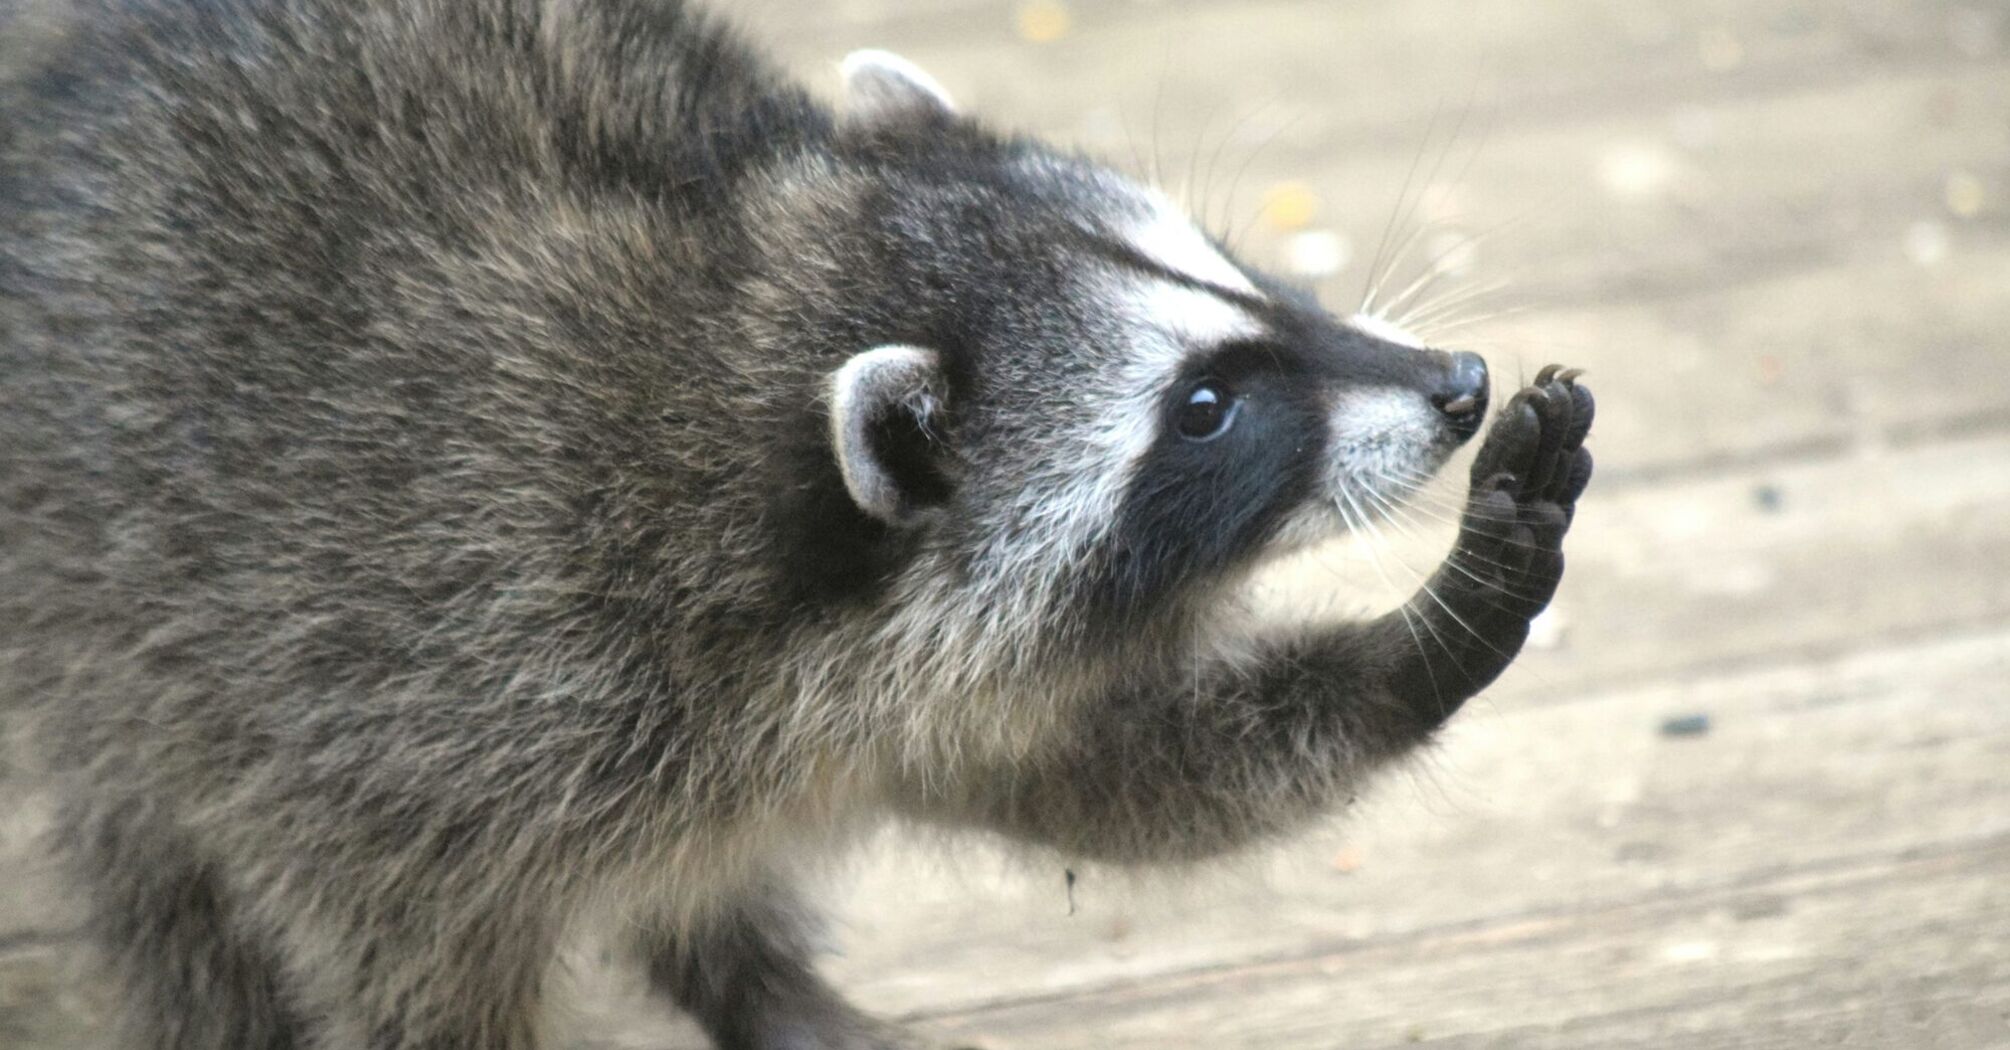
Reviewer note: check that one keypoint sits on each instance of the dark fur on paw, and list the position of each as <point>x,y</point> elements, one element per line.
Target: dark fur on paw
<point>1525,485</point>
<point>1508,561</point>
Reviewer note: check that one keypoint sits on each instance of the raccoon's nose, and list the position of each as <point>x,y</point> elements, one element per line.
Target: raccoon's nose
<point>1463,395</point>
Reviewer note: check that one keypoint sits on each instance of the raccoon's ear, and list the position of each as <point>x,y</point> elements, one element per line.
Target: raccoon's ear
<point>887,405</point>
<point>881,87</point>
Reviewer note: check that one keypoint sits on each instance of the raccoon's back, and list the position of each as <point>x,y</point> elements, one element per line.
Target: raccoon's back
<point>349,344</point>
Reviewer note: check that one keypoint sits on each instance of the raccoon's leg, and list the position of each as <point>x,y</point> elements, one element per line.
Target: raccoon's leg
<point>418,965</point>
<point>1191,760</point>
<point>194,976</point>
<point>745,976</point>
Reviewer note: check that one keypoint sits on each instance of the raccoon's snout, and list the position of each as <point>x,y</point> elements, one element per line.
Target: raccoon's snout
<point>1462,394</point>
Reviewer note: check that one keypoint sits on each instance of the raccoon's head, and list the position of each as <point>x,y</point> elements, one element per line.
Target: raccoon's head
<point>1067,400</point>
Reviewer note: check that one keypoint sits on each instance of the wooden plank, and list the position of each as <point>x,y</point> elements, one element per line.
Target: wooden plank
<point>1877,952</point>
<point>1786,365</point>
<point>1685,196</point>
<point>1377,71</point>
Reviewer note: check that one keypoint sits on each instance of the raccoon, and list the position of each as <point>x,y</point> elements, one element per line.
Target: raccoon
<point>473,466</point>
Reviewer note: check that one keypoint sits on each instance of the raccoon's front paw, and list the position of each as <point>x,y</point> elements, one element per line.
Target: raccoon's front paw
<point>1525,484</point>
<point>1509,556</point>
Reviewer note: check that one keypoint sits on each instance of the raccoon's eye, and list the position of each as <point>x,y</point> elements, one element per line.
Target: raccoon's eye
<point>1208,412</point>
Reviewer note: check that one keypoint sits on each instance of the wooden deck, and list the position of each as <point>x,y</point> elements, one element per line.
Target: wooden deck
<point>1777,232</point>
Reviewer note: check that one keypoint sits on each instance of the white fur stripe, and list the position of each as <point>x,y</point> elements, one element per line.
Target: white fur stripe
<point>1385,330</point>
<point>1193,319</point>
<point>1168,238</point>
<point>1158,325</point>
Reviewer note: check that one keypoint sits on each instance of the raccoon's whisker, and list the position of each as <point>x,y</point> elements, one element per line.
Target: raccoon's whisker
<point>1426,588</point>
<point>1387,267</point>
<point>1423,503</point>
<point>1417,481</point>
<point>1398,515</point>
<point>1372,284</point>
<point>1355,525</point>
<point>1447,520</point>
<point>1456,297</point>
<point>1410,217</point>
<point>1396,519</point>
<point>1190,182</point>
<point>1458,564</point>
<point>1455,515</point>
<point>1435,270</point>
<point>1444,310</point>
<point>1380,272</point>
<point>1349,519</point>
<point>1433,310</point>
<point>1357,520</point>
<point>1428,274</point>
<point>1423,582</point>
<point>1207,200</point>
<point>1420,496</point>
<point>1139,169</point>
<point>1158,109</point>
<point>1467,313</point>
<point>1235,183</point>
<point>1410,619</point>
<point>1460,325</point>
<point>1460,555</point>
<point>1396,256</point>
<point>1486,136</point>
<point>1441,329</point>
<point>1204,215</point>
<point>1429,278</point>
<point>1394,515</point>
<point>1361,521</point>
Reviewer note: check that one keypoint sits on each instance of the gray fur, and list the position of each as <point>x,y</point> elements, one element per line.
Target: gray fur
<point>421,532</point>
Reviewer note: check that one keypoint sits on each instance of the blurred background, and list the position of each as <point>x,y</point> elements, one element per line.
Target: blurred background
<point>1750,786</point>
